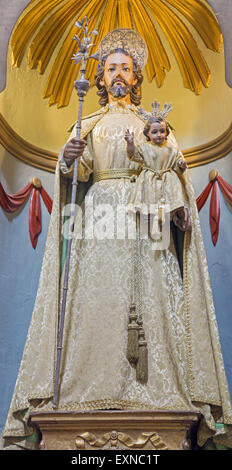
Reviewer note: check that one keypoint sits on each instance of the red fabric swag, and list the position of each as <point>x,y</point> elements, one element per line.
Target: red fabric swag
<point>34,217</point>
<point>12,202</point>
<point>214,212</point>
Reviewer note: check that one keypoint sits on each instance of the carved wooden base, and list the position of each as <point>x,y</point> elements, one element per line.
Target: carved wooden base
<point>111,429</point>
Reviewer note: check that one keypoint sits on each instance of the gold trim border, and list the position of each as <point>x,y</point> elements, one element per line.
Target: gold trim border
<point>210,151</point>
<point>24,150</point>
<point>46,160</point>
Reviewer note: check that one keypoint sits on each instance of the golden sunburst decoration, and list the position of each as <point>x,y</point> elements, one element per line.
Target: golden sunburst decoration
<point>48,22</point>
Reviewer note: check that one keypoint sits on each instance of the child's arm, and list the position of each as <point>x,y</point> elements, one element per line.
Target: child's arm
<point>181,164</point>
<point>132,151</point>
<point>129,138</point>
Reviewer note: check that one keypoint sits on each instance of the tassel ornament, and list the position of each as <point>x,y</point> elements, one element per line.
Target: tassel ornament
<point>133,337</point>
<point>142,364</point>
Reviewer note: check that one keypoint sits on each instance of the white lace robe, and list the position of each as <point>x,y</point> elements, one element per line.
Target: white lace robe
<point>185,365</point>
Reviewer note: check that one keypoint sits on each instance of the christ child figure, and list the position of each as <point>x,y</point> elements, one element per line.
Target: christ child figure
<point>160,181</point>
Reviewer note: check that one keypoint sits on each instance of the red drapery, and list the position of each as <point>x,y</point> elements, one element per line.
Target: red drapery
<point>12,202</point>
<point>214,211</point>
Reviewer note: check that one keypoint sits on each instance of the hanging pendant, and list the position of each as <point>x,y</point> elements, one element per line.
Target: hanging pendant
<point>142,364</point>
<point>133,337</point>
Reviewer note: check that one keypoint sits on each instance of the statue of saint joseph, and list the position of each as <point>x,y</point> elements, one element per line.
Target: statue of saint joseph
<point>112,273</point>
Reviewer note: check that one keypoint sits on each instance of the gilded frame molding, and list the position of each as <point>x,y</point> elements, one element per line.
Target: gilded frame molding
<point>46,160</point>
<point>24,150</point>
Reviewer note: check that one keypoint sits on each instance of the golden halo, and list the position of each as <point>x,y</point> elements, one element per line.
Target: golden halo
<point>128,40</point>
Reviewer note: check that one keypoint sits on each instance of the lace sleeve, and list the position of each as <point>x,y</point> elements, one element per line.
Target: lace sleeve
<point>138,155</point>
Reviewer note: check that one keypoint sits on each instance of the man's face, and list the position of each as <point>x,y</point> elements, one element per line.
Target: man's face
<point>118,75</point>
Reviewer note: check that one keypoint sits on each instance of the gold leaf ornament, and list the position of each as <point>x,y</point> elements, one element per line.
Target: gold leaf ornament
<point>125,439</point>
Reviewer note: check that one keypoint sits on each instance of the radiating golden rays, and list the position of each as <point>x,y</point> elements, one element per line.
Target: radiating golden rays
<point>49,23</point>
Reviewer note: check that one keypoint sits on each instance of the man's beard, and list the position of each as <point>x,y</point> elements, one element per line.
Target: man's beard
<point>120,90</point>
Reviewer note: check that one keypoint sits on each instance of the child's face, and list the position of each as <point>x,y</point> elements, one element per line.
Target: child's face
<point>157,132</point>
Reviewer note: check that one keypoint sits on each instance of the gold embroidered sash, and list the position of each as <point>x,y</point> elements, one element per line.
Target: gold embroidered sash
<point>114,174</point>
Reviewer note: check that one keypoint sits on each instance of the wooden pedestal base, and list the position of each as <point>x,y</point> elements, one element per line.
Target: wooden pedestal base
<point>111,429</point>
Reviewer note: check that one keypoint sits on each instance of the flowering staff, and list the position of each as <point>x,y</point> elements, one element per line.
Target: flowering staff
<point>82,86</point>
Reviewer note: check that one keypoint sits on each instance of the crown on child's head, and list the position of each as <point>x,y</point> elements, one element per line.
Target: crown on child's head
<point>156,113</point>
<point>163,113</point>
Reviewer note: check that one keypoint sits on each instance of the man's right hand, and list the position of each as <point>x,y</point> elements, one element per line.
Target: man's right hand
<point>73,149</point>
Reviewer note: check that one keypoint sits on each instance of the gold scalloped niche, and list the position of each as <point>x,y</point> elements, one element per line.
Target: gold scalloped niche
<point>47,22</point>
<point>185,67</point>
